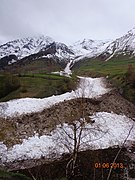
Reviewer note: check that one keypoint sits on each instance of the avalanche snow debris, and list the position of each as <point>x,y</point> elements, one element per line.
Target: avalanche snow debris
<point>67,70</point>
<point>88,87</point>
<point>115,129</point>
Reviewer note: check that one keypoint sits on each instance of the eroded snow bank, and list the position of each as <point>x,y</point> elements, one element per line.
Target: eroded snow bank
<point>89,87</point>
<point>115,129</point>
<point>67,69</point>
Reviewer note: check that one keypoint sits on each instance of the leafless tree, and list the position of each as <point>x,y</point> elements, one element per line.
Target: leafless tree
<point>123,144</point>
<point>77,135</point>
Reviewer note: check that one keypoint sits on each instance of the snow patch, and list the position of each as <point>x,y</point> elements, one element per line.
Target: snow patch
<point>67,68</point>
<point>12,61</point>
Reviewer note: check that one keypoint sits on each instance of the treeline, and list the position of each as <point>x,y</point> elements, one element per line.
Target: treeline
<point>66,85</point>
<point>12,176</point>
<point>27,84</point>
<point>130,75</point>
<point>129,87</point>
<point>8,83</point>
<point>126,83</point>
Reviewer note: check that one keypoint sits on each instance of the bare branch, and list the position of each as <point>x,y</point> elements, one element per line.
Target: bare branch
<point>108,177</point>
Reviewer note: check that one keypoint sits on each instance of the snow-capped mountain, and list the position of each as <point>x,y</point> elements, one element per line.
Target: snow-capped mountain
<point>59,50</point>
<point>27,46</point>
<point>46,47</point>
<point>33,48</point>
<point>24,47</point>
<point>89,47</point>
<point>124,45</point>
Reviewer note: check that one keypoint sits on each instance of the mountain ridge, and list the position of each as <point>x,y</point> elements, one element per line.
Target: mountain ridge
<point>32,45</point>
<point>46,47</point>
<point>125,45</point>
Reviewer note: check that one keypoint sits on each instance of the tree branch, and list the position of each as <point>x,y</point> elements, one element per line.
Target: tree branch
<point>108,177</point>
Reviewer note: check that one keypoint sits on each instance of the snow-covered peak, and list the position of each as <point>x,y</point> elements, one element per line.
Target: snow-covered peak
<point>25,47</point>
<point>79,50</point>
<point>32,45</point>
<point>89,47</point>
<point>123,45</point>
<point>132,31</point>
<point>63,51</point>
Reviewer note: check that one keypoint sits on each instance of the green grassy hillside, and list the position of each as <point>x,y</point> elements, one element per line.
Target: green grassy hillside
<point>12,176</point>
<point>33,78</point>
<point>35,66</point>
<point>115,69</point>
<point>34,85</point>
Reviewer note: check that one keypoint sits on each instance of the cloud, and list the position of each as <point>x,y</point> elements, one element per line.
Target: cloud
<point>66,21</point>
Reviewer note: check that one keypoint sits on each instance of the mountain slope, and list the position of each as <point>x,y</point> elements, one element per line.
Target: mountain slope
<point>32,45</point>
<point>28,49</point>
<point>124,45</point>
<point>24,47</point>
<point>38,47</point>
<point>89,47</point>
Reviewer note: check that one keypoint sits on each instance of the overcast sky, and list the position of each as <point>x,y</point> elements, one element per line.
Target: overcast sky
<point>66,20</point>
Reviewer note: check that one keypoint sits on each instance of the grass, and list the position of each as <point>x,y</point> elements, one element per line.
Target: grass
<point>36,66</point>
<point>42,75</point>
<point>8,83</point>
<point>112,67</point>
<point>35,83</point>
<point>40,86</point>
<point>35,80</point>
<point>12,176</point>
<point>115,69</point>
